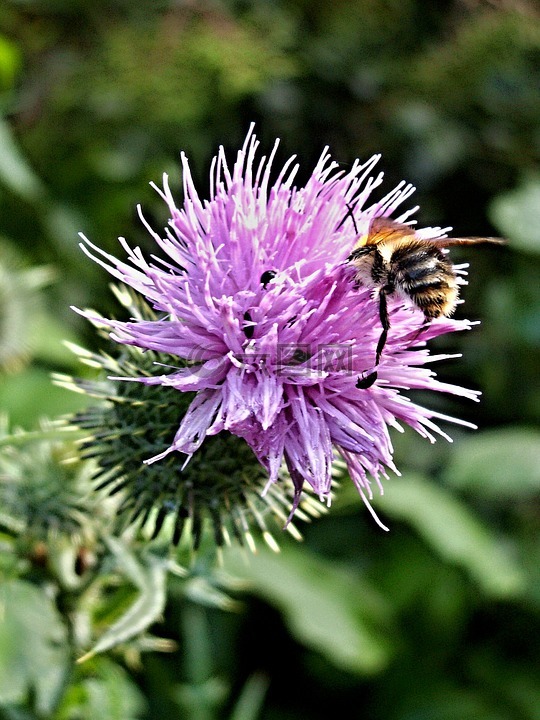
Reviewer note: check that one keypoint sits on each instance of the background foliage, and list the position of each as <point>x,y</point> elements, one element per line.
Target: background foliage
<point>439,618</point>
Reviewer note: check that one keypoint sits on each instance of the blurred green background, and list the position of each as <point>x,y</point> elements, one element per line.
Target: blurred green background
<point>436,620</point>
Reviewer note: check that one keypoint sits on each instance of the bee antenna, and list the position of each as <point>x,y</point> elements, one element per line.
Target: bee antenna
<point>349,213</point>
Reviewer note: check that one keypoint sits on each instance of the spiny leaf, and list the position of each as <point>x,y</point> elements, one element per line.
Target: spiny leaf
<point>33,646</point>
<point>147,607</point>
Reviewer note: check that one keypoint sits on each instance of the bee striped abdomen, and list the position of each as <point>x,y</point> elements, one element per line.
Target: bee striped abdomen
<point>426,275</point>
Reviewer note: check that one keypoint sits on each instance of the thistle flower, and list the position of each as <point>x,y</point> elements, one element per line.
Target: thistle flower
<point>43,493</point>
<point>222,484</point>
<point>256,301</point>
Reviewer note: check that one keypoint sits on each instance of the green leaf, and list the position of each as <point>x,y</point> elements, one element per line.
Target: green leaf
<point>15,171</point>
<point>30,395</point>
<point>250,702</point>
<point>62,224</point>
<point>49,342</point>
<point>149,579</point>
<point>500,464</point>
<point>326,607</point>
<point>517,215</point>
<point>109,693</point>
<point>20,306</point>
<point>202,591</point>
<point>443,701</point>
<point>10,62</point>
<point>450,528</point>
<point>34,654</point>
<point>113,695</point>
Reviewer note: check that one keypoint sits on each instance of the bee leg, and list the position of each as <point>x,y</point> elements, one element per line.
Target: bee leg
<point>365,382</point>
<point>423,326</point>
<point>385,321</point>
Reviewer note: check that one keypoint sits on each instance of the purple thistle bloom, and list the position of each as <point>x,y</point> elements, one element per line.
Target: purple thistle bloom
<point>259,302</point>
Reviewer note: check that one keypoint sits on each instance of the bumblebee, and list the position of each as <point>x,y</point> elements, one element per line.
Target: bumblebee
<point>393,260</point>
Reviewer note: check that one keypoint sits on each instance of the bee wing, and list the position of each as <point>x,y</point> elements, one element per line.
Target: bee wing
<point>447,242</point>
<point>383,229</point>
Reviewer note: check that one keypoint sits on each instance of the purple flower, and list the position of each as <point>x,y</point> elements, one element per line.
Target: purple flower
<point>257,301</point>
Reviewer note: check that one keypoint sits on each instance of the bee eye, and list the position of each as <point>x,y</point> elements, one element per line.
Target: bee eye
<point>360,252</point>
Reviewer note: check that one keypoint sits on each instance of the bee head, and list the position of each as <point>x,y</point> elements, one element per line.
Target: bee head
<point>361,251</point>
